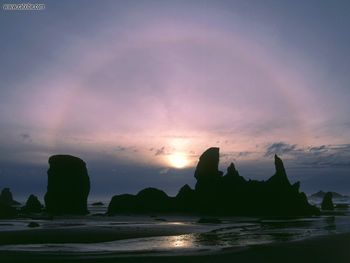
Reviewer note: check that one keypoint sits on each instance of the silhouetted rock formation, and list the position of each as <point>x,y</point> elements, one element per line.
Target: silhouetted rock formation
<point>68,185</point>
<point>208,164</point>
<point>217,194</point>
<point>6,197</point>
<point>185,199</point>
<point>32,205</point>
<point>33,224</point>
<point>148,200</point>
<point>280,177</point>
<point>321,194</point>
<point>206,220</point>
<point>327,203</point>
<point>97,204</point>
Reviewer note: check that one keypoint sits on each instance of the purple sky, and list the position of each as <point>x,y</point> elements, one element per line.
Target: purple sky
<point>140,89</point>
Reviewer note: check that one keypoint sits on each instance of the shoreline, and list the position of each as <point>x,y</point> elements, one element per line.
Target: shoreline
<point>328,248</point>
<point>91,234</point>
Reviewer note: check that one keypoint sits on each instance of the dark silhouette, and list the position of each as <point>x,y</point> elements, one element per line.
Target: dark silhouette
<point>6,204</point>
<point>7,211</point>
<point>32,205</point>
<point>33,224</point>
<point>214,193</point>
<point>321,194</point>
<point>6,197</point>
<point>342,206</point>
<point>68,185</point>
<point>147,200</point>
<point>97,204</point>
<point>327,202</point>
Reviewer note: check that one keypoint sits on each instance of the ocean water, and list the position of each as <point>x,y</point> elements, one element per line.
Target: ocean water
<point>233,232</point>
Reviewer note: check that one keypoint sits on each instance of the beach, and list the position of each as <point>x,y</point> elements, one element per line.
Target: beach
<point>176,238</point>
<point>330,248</point>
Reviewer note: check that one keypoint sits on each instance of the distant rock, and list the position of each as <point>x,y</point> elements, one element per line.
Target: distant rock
<point>154,200</point>
<point>327,202</point>
<point>6,197</point>
<point>68,185</point>
<point>149,200</point>
<point>32,205</point>
<point>208,220</point>
<point>97,204</point>
<point>125,203</point>
<point>342,206</point>
<point>33,224</point>
<point>321,194</point>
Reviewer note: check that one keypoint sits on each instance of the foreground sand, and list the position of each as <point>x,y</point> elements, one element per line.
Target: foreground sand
<point>327,249</point>
<point>90,234</point>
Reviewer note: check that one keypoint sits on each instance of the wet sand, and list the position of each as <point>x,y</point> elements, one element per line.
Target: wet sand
<point>325,249</point>
<point>91,234</point>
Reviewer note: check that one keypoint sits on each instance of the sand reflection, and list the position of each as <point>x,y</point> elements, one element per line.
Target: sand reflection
<point>181,241</point>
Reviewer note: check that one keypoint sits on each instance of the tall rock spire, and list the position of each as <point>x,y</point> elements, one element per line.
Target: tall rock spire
<point>280,175</point>
<point>208,165</point>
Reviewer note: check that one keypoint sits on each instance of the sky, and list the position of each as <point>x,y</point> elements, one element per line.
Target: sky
<point>139,89</point>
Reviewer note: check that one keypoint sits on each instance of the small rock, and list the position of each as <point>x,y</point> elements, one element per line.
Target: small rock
<point>97,204</point>
<point>205,220</point>
<point>33,224</point>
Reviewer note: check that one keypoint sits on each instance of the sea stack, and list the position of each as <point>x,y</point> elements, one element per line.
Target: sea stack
<point>280,176</point>
<point>327,202</point>
<point>68,185</point>
<point>6,197</point>
<point>32,205</point>
<point>208,164</point>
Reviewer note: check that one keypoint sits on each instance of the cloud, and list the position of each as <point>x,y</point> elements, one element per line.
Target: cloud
<point>160,151</point>
<point>279,148</point>
<point>26,137</point>
<point>332,155</point>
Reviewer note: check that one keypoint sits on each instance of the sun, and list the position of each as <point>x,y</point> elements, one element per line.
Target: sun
<point>178,160</point>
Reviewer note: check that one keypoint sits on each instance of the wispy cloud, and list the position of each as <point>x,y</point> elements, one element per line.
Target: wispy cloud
<point>317,156</point>
<point>280,148</point>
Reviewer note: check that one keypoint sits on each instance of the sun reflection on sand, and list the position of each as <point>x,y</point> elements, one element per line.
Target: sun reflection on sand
<point>181,241</point>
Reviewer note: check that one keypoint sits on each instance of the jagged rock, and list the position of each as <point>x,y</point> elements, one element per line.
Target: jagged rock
<point>32,205</point>
<point>296,186</point>
<point>6,197</point>
<point>186,192</point>
<point>215,194</point>
<point>280,177</point>
<point>231,170</point>
<point>232,175</point>
<point>185,199</point>
<point>68,185</point>
<point>327,202</point>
